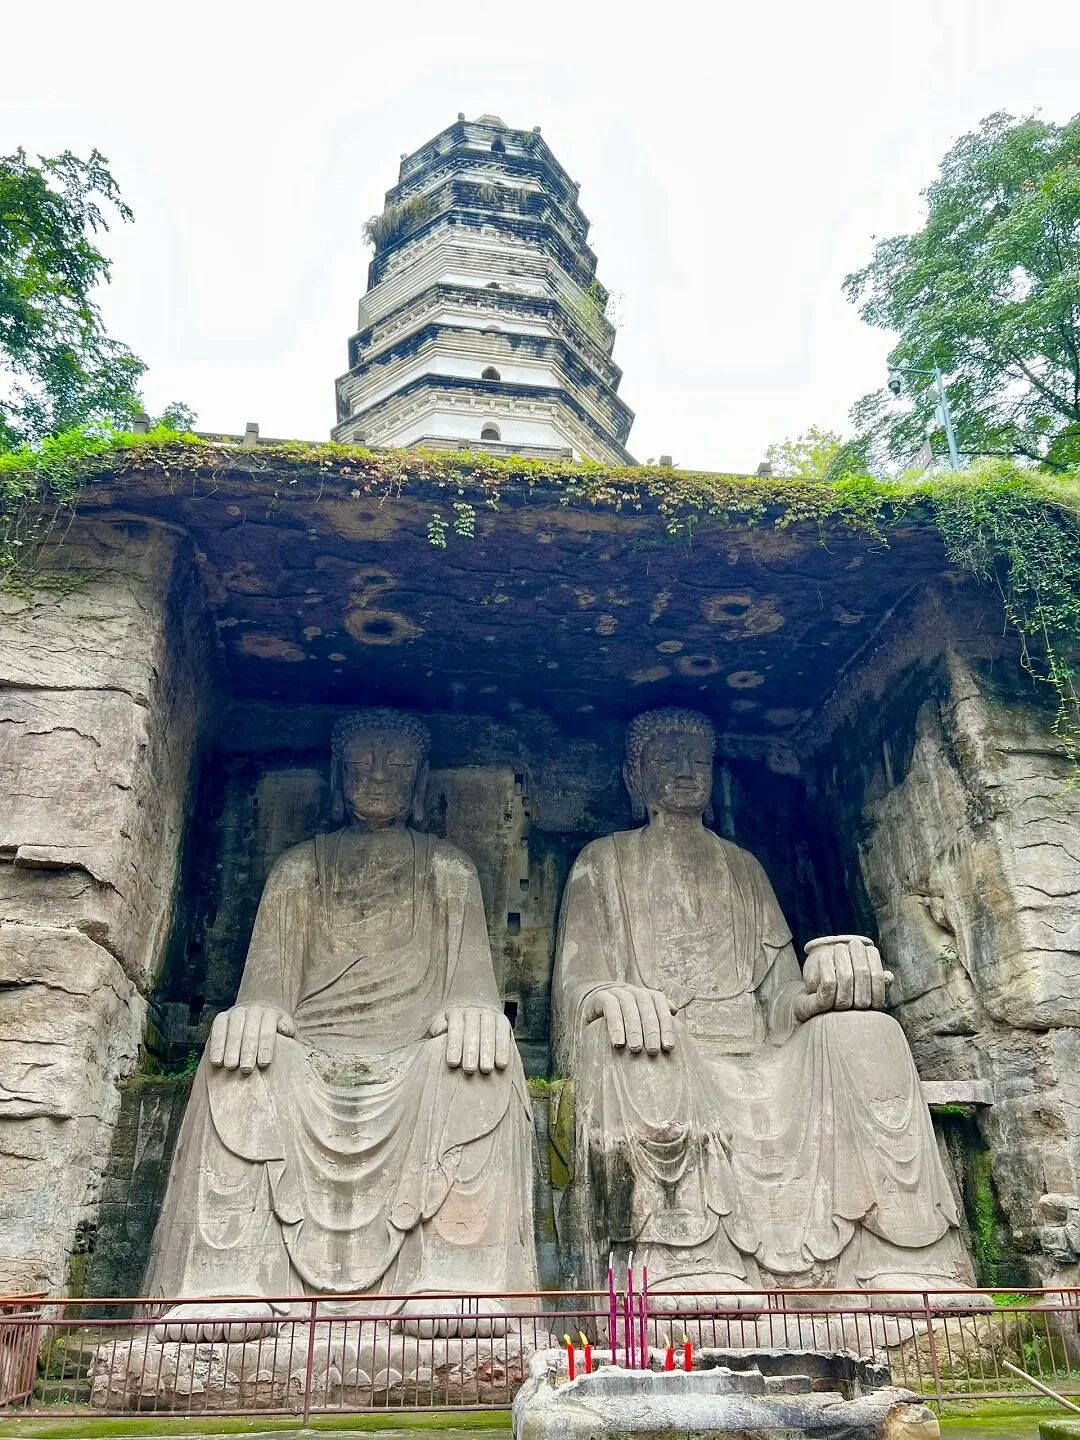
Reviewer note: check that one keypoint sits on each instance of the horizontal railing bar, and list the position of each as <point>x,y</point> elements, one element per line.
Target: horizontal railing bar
<point>59,1357</point>
<point>520,1295</point>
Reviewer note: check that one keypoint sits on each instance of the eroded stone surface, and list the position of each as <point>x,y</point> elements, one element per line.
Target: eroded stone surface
<point>839,1398</point>
<point>970,856</point>
<point>353,1365</point>
<point>70,1022</point>
<point>99,711</point>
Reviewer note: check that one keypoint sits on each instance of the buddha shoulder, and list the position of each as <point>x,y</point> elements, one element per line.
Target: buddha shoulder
<point>294,867</point>
<point>453,871</point>
<point>598,854</point>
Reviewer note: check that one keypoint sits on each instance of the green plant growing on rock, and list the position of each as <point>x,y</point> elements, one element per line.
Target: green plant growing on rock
<point>983,1216</point>
<point>998,531</point>
<point>591,311</point>
<point>398,220</point>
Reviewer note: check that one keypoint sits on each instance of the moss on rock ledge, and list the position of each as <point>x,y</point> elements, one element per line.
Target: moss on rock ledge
<point>1016,529</point>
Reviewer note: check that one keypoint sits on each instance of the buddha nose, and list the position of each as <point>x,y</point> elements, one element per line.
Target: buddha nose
<point>684,769</point>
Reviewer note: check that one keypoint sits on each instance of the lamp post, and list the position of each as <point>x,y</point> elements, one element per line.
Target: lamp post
<point>942,398</point>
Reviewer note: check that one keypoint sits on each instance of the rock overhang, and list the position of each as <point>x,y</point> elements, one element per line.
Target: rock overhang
<point>462,583</point>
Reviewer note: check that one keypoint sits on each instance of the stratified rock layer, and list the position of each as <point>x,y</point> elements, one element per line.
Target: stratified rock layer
<point>968,830</point>
<point>98,718</point>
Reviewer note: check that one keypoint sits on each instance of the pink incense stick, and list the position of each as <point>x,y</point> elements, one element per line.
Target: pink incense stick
<point>644,1306</point>
<point>631,1348</point>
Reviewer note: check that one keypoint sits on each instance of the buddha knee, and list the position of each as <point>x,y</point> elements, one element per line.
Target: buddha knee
<point>864,1028</point>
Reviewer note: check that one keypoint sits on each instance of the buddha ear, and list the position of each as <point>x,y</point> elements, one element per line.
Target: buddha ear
<point>337,790</point>
<point>416,814</point>
<point>637,801</point>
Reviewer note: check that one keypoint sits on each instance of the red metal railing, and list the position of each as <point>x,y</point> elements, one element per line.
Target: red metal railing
<point>18,1347</point>
<point>353,1353</point>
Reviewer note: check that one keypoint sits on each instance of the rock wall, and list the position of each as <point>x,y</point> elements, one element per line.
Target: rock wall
<point>133,1186</point>
<point>104,671</point>
<point>521,799</point>
<point>965,839</point>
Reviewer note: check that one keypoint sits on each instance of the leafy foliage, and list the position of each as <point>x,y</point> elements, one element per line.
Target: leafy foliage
<point>40,485</point>
<point>59,370</point>
<point>989,291</point>
<point>809,456</point>
<point>176,416</point>
<point>58,367</point>
<point>998,531</point>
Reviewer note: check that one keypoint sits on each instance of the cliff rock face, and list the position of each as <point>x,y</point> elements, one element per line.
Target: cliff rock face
<point>969,851</point>
<point>880,753</point>
<point>97,726</point>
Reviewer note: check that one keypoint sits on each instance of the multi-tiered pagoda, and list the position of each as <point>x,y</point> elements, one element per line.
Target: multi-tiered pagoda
<point>484,325</point>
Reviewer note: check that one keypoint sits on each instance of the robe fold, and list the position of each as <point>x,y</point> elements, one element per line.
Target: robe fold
<point>357,1161</point>
<point>757,1144</point>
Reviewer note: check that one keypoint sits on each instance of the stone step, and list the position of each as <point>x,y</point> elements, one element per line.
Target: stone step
<point>969,1093</point>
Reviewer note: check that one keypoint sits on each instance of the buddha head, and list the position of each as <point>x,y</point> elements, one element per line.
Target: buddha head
<point>378,769</point>
<point>669,763</point>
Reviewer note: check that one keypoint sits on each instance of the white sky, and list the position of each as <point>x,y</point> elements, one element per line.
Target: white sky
<point>735,160</point>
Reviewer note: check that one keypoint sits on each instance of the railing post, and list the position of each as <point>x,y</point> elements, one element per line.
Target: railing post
<point>932,1344</point>
<point>310,1365</point>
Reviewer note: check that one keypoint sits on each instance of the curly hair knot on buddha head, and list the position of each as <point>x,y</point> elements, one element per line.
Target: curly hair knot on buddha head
<point>362,722</point>
<point>667,720</point>
<point>374,718</point>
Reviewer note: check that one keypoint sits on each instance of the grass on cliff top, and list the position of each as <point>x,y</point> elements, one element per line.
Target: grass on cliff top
<point>59,467</point>
<point>1015,528</point>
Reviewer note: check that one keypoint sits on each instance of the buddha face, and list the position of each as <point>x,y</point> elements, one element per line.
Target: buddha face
<point>380,770</point>
<point>676,773</point>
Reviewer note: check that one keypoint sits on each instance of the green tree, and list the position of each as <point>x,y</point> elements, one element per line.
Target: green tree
<point>58,367</point>
<point>989,291</point>
<point>809,456</point>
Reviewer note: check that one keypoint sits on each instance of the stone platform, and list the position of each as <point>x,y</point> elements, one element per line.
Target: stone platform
<point>742,1395</point>
<point>354,1364</point>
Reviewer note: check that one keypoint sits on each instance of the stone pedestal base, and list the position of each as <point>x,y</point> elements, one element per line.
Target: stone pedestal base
<point>353,1365</point>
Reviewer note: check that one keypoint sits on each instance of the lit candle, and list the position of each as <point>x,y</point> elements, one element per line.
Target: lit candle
<point>687,1353</point>
<point>571,1366</point>
<point>669,1355</point>
<point>588,1351</point>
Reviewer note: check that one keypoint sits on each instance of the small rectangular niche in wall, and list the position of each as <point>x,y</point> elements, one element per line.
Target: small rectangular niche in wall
<point>510,1010</point>
<point>513,922</point>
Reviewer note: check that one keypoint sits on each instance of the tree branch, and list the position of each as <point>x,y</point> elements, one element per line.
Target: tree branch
<point>1058,402</point>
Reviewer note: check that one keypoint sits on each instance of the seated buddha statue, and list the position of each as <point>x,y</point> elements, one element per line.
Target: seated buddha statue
<point>741,1122</point>
<point>359,1123</point>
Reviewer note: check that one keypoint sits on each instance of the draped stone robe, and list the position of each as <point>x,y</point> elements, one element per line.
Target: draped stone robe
<point>757,1144</point>
<point>357,1161</point>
